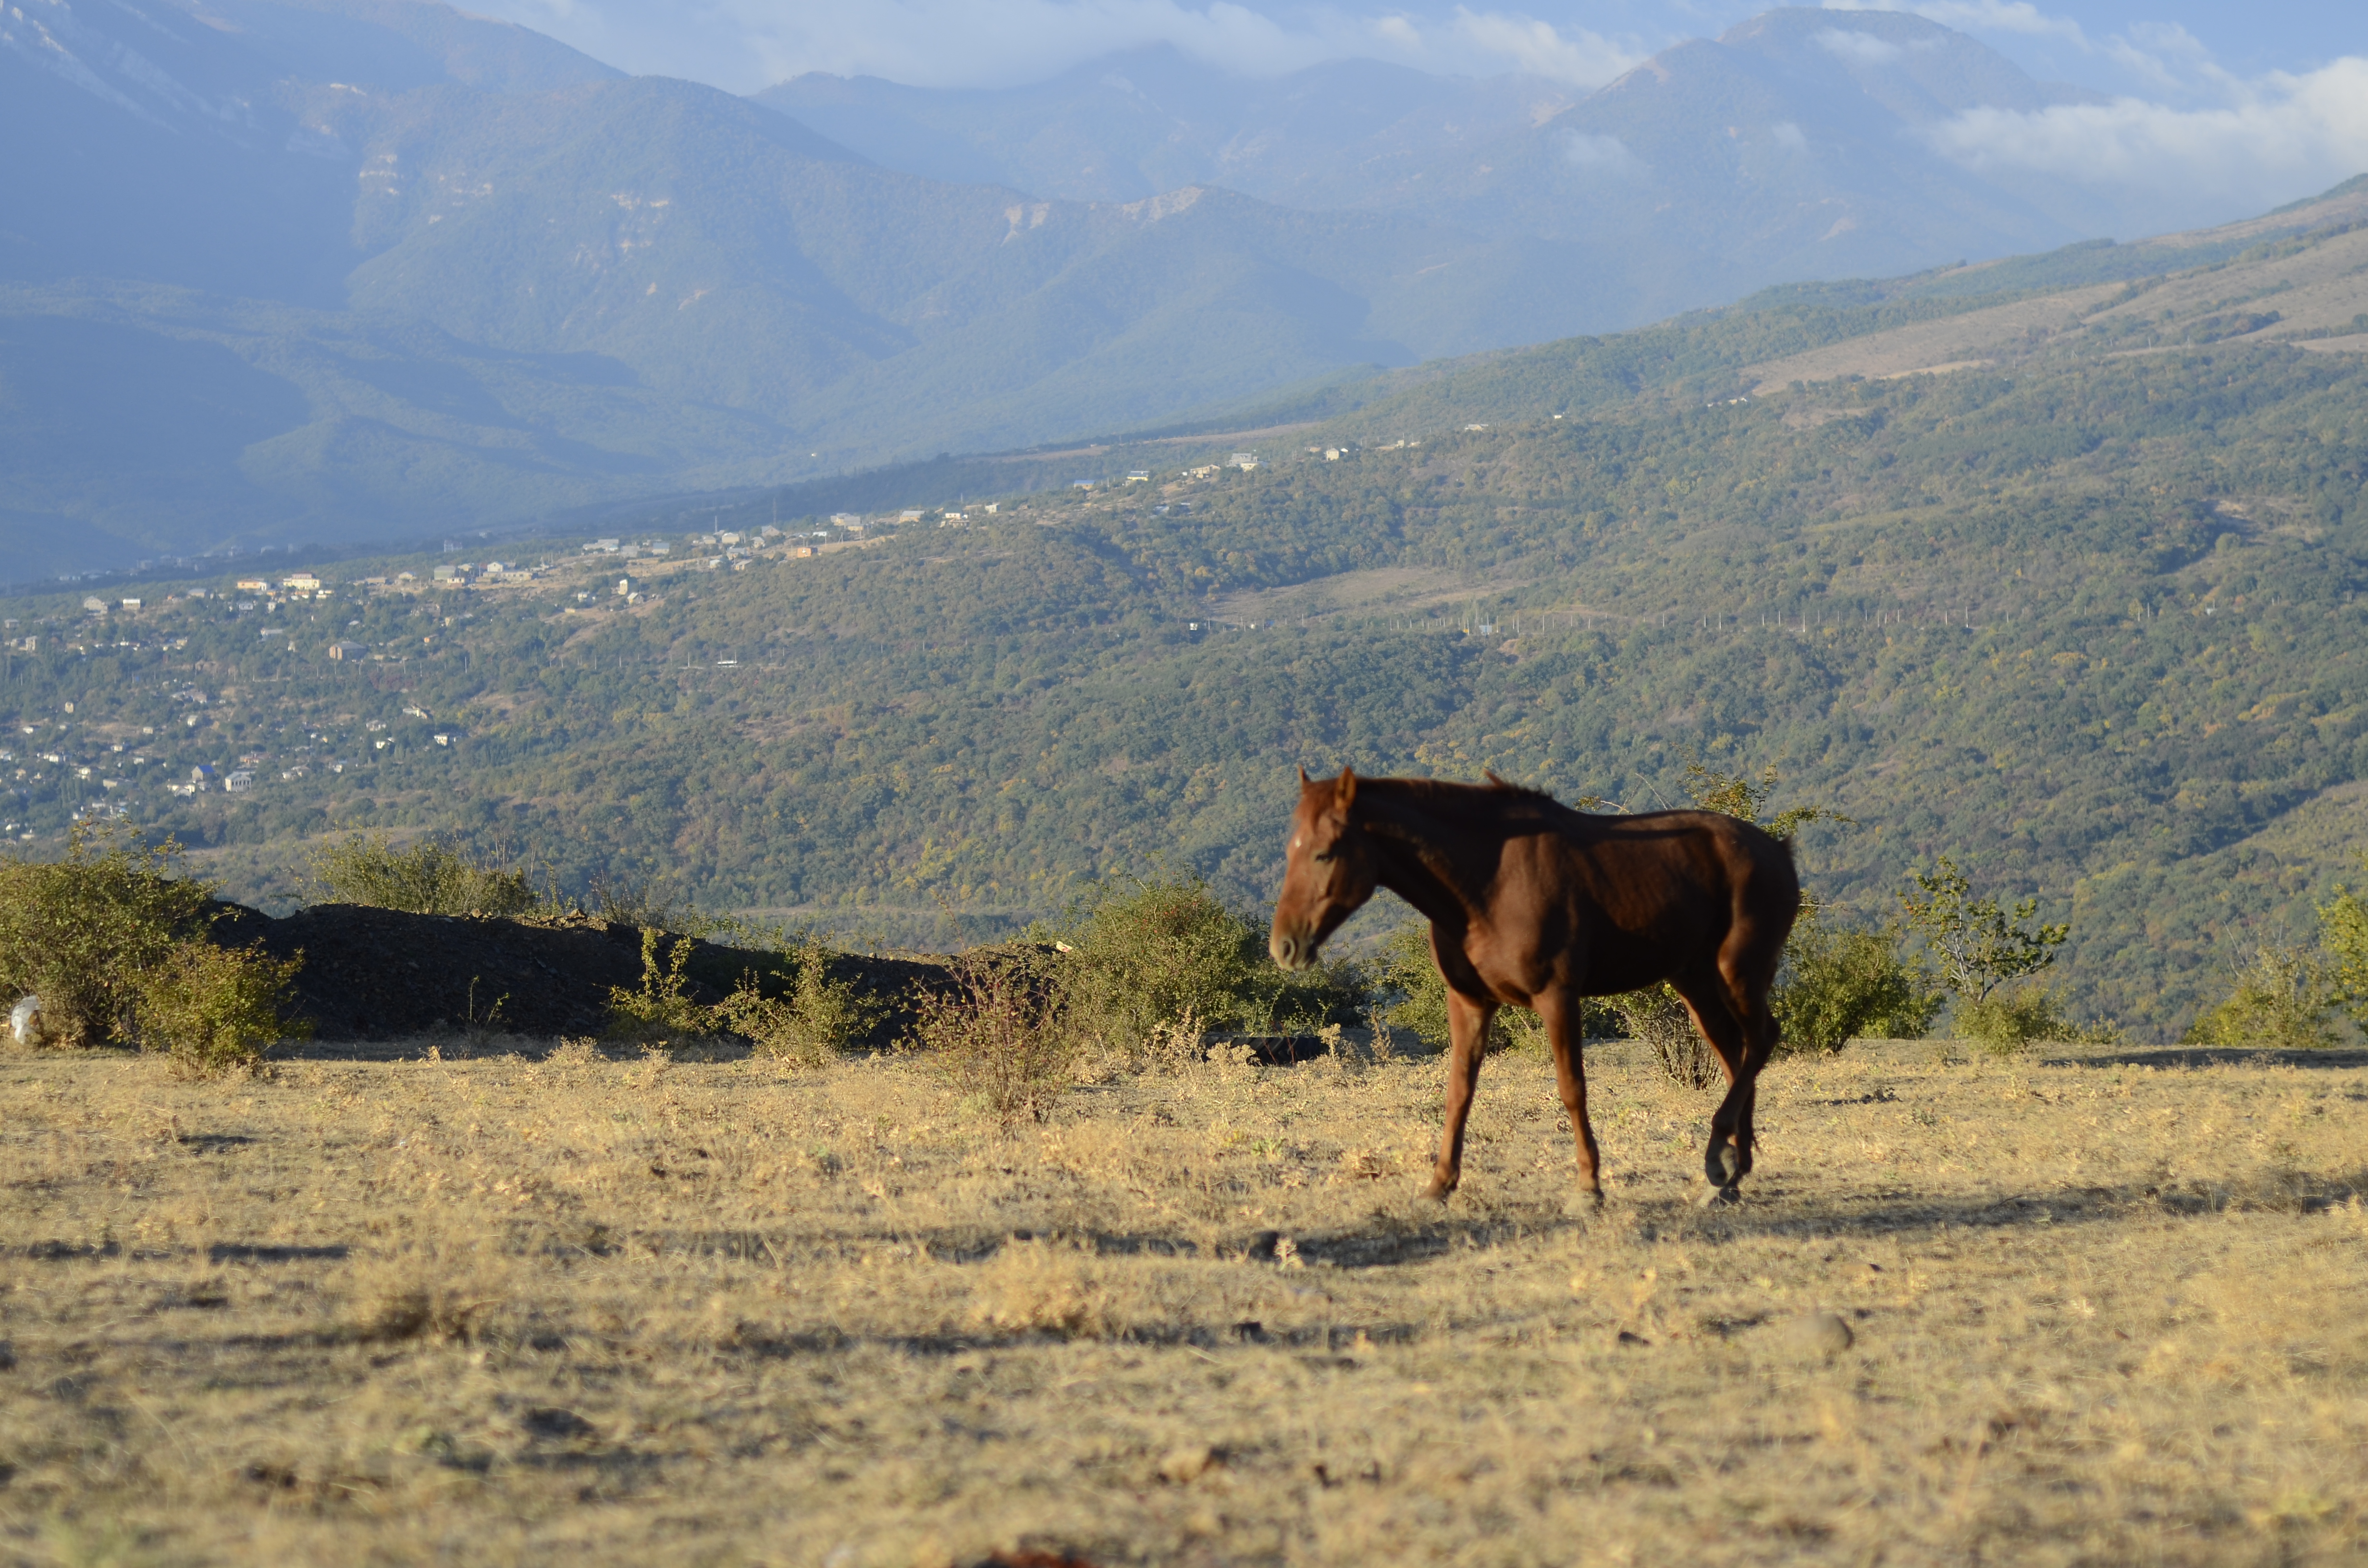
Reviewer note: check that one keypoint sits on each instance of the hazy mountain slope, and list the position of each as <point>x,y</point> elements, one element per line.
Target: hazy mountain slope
<point>2088,299</point>
<point>1791,148</point>
<point>147,144</point>
<point>1785,150</point>
<point>1142,121</point>
<point>394,45</point>
<point>143,422</point>
<point>795,308</point>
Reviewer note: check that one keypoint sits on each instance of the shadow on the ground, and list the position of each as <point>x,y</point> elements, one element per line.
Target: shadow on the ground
<point>1395,1238</point>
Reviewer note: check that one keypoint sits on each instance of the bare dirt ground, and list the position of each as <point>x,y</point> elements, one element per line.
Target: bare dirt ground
<point>521,1310</point>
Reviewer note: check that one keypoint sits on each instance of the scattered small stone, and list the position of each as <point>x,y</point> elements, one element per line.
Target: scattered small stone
<point>1628,1338</point>
<point>1188,1463</point>
<point>1820,1334</point>
<point>549,1421</point>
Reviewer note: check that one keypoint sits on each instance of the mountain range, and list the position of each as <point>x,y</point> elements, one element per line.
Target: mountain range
<point>324,270</point>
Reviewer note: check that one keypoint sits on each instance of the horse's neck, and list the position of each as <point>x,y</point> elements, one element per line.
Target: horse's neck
<point>1431,865</point>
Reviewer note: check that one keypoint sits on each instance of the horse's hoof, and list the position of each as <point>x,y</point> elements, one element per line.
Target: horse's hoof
<point>1438,1192</point>
<point>1584,1204</point>
<point>1719,1197</point>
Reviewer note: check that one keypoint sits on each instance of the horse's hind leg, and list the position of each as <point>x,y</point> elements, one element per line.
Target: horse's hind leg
<point>1727,1155</point>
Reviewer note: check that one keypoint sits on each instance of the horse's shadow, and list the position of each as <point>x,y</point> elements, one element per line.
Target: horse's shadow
<point>1408,1236</point>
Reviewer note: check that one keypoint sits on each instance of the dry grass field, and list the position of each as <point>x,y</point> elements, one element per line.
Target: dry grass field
<point>557,1308</point>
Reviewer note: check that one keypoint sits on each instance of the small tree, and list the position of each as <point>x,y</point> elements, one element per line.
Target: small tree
<point>2343,938</point>
<point>1738,795</point>
<point>1980,945</point>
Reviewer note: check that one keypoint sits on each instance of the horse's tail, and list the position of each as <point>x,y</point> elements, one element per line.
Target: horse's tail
<point>1767,897</point>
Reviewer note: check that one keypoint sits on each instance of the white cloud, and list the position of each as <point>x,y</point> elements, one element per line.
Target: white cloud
<point>2284,136</point>
<point>1850,44</point>
<point>1788,136</point>
<point>1603,154</point>
<point>1583,59</point>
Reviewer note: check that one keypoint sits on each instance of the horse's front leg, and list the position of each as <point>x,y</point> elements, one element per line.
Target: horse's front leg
<point>1562,1015</point>
<point>1468,1029</point>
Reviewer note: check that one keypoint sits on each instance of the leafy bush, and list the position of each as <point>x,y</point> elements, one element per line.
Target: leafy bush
<point>2279,999</point>
<point>661,1008</point>
<point>1138,959</point>
<point>431,877</point>
<point>115,947</point>
<point>818,1018</point>
<point>1840,985</point>
<point>1003,1033</point>
<point>216,1008</point>
<point>2005,1021</point>
<point>79,932</point>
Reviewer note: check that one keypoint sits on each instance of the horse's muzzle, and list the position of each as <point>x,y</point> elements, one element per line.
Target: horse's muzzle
<point>1291,952</point>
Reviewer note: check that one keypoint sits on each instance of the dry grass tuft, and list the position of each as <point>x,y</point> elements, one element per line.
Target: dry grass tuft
<point>1035,1287</point>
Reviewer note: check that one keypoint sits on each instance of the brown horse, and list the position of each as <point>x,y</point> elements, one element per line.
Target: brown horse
<point>1533,905</point>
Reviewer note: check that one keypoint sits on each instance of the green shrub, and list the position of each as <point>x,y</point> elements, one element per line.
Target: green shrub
<point>2007,1020</point>
<point>1406,972</point>
<point>1003,1034</point>
<point>114,947</point>
<point>216,1008</point>
<point>2279,999</point>
<point>431,877</point>
<point>1138,959</point>
<point>2344,938</point>
<point>1837,985</point>
<point>818,1018</point>
<point>661,1008</point>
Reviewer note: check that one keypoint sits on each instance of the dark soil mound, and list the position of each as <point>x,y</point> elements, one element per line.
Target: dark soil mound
<point>383,973</point>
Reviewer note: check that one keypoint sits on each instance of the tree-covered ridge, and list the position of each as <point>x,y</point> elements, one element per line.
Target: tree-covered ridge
<point>2094,629</point>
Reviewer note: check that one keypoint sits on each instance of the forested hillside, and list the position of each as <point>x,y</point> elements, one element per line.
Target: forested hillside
<point>2095,628</point>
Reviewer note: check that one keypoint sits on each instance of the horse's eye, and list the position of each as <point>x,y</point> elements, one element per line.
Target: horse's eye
<point>1323,855</point>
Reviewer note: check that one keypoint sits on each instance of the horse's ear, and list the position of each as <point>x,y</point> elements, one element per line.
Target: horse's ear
<point>1344,788</point>
<point>1303,776</point>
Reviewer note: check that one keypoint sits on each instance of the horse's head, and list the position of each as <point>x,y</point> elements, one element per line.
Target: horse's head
<point>1327,872</point>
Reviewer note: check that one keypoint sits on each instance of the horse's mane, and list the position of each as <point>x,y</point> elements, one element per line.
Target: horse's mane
<point>1498,799</point>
